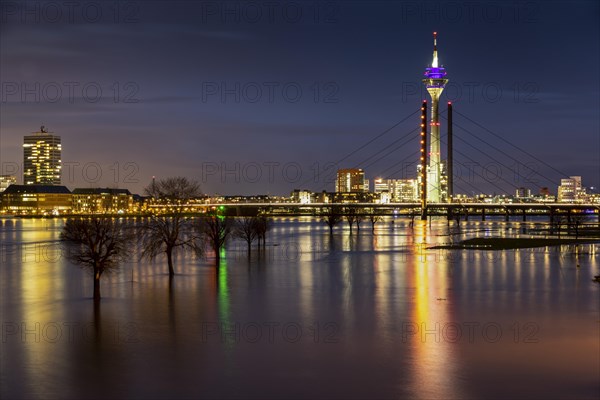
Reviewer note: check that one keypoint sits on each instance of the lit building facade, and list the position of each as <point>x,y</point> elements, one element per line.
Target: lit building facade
<point>102,201</point>
<point>6,181</point>
<point>302,196</point>
<point>522,193</point>
<point>405,191</point>
<point>41,158</point>
<point>435,81</point>
<point>350,180</point>
<point>571,190</point>
<point>384,197</point>
<point>398,190</point>
<point>37,199</point>
<point>382,185</point>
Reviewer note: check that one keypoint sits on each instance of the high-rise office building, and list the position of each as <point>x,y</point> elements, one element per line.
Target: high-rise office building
<point>350,180</point>
<point>435,81</point>
<point>41,158</point>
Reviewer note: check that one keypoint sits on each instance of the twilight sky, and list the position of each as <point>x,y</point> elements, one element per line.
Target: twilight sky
<point>261,97</point>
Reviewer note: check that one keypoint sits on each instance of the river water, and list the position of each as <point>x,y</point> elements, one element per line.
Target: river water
<point>367,315</point>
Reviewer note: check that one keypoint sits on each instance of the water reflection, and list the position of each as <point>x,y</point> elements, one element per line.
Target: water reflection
<point>432,326</point>
<point>378,315</point>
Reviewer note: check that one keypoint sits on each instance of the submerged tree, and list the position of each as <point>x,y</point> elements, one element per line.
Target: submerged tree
<point>577,220</point>
<point>350,217</point>
<point>246,228</point>
<point>168,228</point>
<point>263,224</point>
<point>358,220</point>
<point>96,243</point>
<point>215,229</point>
<point>332,216</point>
<point>374,218</point>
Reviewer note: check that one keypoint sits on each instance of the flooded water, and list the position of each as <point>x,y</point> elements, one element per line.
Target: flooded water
<point>350,316</point>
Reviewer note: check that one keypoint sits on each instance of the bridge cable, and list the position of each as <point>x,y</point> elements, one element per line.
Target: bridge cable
<point>506,141</point>
<point>504,153</point>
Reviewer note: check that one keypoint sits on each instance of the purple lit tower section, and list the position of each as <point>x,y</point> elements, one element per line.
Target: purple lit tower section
<point>435,81</point>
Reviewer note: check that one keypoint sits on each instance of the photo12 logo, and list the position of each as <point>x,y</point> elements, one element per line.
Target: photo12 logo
<point>269,92</point>
<point>271,332</point>
<point>269,12</point>
<point>71,92</point>
<point>470,12</point>
<point>69,12</point>
<point>67,332</point>
<point>90,172</point>
<point>472,92</point>
<point>469,332</point>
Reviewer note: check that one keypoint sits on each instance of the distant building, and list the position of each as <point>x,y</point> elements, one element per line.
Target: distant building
<point>37,199</point>
<point>41,158</point>
<point>366,187</point>
<point>6,181</point>
<point>382,185</point>
<point>324,197</point>
<point>354,197</point>
<point>405,191</point>
<point>522,193</point>
<point>384,197</point>
<point>302,196</point>
<point>571,191</point>
<point>350,180</point>
<point>102,200</point>
<point>400,190</point>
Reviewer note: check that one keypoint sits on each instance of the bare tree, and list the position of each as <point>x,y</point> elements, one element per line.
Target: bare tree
<point>169,228</point>
<point>350,216</point>
<point>374,218</point>
<point>332,217</point>
<point>359,219</point>
<point>215,230</point>
<point>576,221</point>
<point>246,228</point>
<point>263,225</point>
<point>556,224</point>
<point>97,243</point>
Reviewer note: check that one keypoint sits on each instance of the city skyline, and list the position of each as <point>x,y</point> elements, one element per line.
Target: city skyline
<point>43,165</point>
<point>533,111</point>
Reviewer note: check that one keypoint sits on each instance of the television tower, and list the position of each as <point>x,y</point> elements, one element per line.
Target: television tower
<point>435,82</point>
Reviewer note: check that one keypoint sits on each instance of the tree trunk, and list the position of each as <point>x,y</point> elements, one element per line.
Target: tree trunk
<point>249,249</point>
<point>217,255</point>
<point>170,262</point>
<point>96,284</point>
<point>331,230</point>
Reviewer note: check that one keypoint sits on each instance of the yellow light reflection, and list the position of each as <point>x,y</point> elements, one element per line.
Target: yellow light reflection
<point>433,348</point>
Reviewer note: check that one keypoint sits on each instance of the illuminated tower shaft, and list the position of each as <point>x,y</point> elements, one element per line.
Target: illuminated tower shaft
<point>435,82</point>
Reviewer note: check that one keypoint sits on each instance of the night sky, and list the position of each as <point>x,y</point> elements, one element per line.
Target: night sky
<point>179,86</point>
